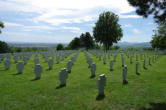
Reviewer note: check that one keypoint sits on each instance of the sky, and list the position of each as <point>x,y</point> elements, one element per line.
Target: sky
<point>59,21</point>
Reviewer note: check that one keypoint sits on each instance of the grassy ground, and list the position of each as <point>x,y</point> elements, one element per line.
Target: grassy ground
<point>18,92</point>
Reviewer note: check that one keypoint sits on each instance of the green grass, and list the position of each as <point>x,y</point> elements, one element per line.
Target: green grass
<point>17,92</point>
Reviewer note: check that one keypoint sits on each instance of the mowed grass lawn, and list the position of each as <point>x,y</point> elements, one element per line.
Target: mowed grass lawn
<point>148,90</point>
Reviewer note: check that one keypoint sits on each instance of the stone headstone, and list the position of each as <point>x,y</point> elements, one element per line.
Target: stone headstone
<point>50,64</point>
<point>137,66</point>
<point>122,60</point>
<point>46,59</point>
<point>149,61</point>
<point>15,59</point>
<point>38,70</point>
<point>58,59</point>
<point>8,56</point>
<point>125,75</point>
<point>20,67</point>
<point>153,59</point>
<point>25,60</point>
<point>101,84</point>
<point>69,66</point>
<point>36,60</point>
<point>104,59</point>
<point>144,64</point>
<point>100,57</point>
<point>111,65</point>
<point>90,61</point>
<point>93,70</point>
<point>131,59</point>
<point>114,58</point>
<point>7,64</point>
<point>63,75</point>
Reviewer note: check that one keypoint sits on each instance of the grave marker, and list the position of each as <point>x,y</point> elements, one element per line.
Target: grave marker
<point>63,75</point>
<point>111,65</point>
<point>93,70</point>
<point>125,75</point>
<point>7,64</point>
<point>101,84</point>
<point>50,64</point>
<point>20,67</point>
<point>38,70</point>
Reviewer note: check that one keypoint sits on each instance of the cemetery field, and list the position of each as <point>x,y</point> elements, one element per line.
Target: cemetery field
<point>147,90</point>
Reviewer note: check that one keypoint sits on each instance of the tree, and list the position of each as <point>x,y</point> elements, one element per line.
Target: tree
<point>97,46</point>
<point>4,48</point>
<point>75,43</point>
<point>115,47</point>
<point>86,40</point>
<point>89,42</point>
<point>59,47</point>
<point>1,26</point>
<point>107,30</point>
<point>82,40</point>
<point>159,38</point>
<point>157,8</point>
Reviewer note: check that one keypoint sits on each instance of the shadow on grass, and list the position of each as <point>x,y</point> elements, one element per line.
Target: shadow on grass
<point>145,68</point>
<point>125,82</point>
<point>155,106</point>
<point>91,77</point>
<point>48,69</point>
<point>100,97</point>
<point>60,86</point>
<point>17,74</point>
<point>3,70</point>
<point>35,79</point>
<point>138,74</point>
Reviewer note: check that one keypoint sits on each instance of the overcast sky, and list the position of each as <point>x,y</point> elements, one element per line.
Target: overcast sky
<point>54,21</point>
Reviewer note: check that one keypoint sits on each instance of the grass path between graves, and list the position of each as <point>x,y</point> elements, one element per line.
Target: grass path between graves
<point>17,92</point>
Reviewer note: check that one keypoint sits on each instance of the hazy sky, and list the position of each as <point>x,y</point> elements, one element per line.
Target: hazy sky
<point>54,21</point>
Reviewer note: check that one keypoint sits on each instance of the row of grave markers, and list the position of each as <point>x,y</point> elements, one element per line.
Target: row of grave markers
<point>63,74</point>
<point>102,77</point>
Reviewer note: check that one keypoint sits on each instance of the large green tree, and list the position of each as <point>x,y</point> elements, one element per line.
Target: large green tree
<point>1,26</point>
<point>157,8</point>
<point>4,48</point>
<point>86,40</point>
<point>159,38</point>
<point>107,30</point>
<point>59,47</point>
<point>75,43</point>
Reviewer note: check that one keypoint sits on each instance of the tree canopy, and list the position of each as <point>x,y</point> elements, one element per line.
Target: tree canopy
<point>159,38</point>
<point>4,48</point>
<point>75,43</point>
<point>84,41</point>
<point>59,47</point>
<point>107,30</point>
<point>157,8</point>
<point>1,26</point>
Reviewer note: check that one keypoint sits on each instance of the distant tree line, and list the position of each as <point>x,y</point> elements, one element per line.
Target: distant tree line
<point>84,41</point>
<point>5,48</point>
